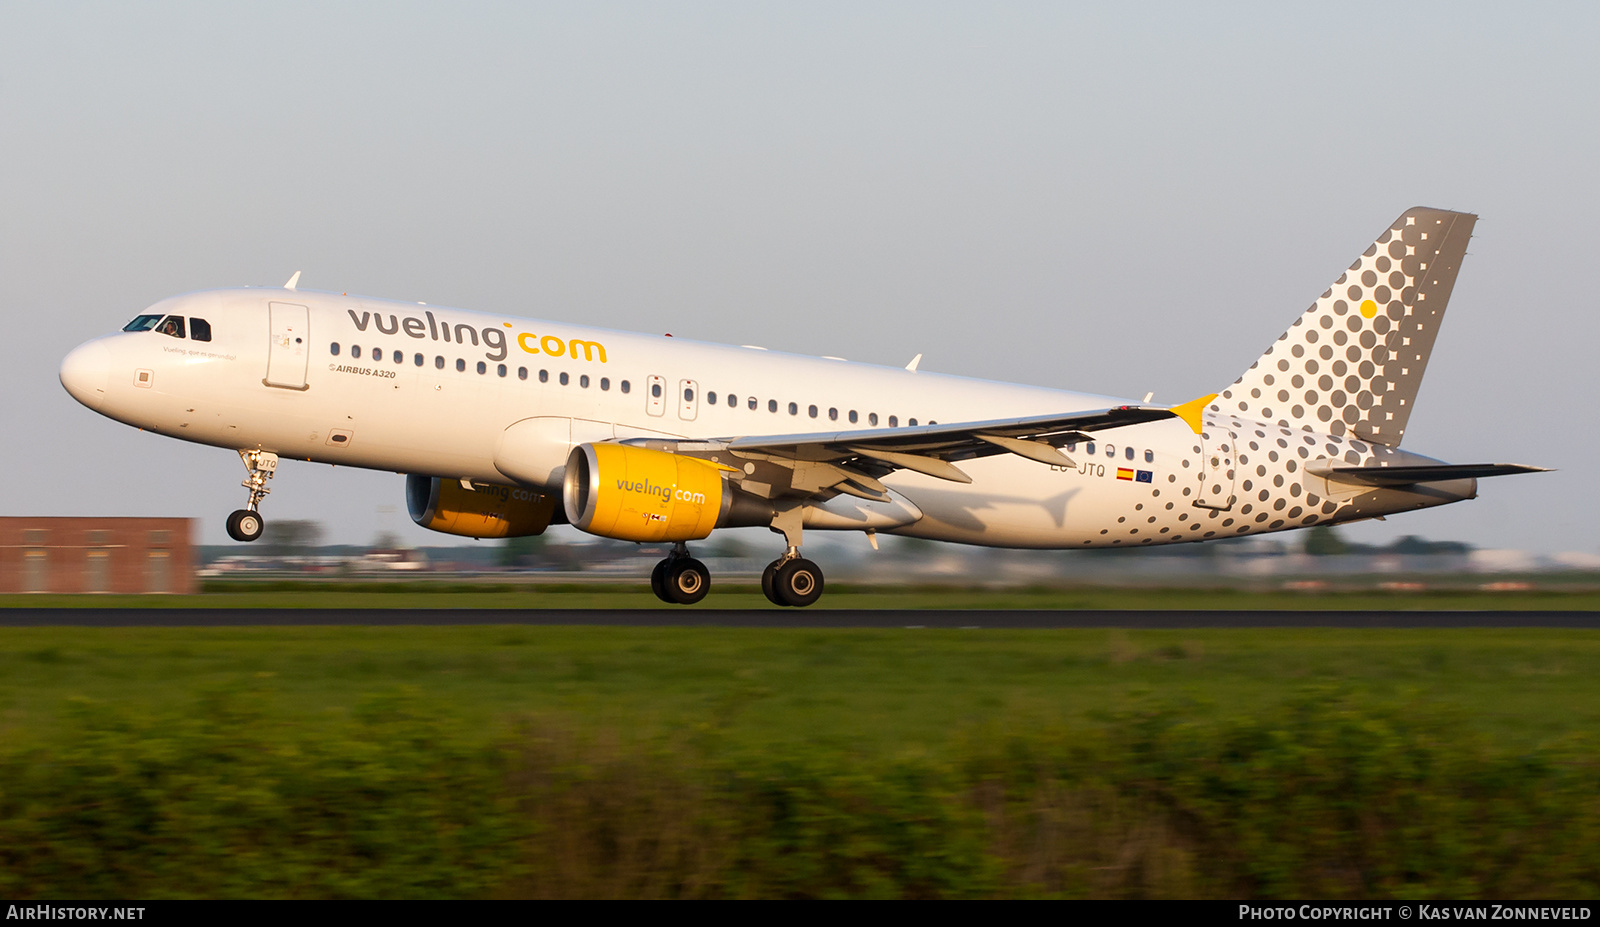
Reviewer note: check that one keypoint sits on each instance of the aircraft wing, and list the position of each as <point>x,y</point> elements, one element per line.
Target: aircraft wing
<point>934,449</point>
<point>817,467</point>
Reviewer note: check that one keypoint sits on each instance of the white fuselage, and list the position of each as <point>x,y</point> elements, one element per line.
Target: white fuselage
<point>317,378</point>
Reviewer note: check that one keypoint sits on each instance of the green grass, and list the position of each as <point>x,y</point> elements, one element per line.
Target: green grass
<point>740,596</point>
<point>857,691</point>
<point>481,761</point>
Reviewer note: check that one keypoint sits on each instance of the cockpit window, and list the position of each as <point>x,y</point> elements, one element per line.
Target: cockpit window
<point>142,323</point>
<point>199,330</point>
<point>171,325</point>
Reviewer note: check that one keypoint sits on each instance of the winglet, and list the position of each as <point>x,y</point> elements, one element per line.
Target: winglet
<point>914,362</point>
<point>1190,411</point>
<point>293,281</point>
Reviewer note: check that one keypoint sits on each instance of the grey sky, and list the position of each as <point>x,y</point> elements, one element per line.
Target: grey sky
<point>1115,198</point>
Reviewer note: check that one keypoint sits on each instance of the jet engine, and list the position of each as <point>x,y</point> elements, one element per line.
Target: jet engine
<point>638,494</point>
<point>484,511</point>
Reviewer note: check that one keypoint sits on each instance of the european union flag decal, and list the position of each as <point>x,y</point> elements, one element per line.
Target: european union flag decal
<point>1145,476</point>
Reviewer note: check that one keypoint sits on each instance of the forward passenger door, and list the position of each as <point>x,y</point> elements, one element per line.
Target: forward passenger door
<point>289,348</point>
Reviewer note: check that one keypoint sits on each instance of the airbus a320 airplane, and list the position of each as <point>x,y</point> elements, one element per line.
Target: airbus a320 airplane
<point>508,425</point>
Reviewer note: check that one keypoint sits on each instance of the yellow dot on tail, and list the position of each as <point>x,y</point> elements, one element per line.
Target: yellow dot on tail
<point>1368,308</point>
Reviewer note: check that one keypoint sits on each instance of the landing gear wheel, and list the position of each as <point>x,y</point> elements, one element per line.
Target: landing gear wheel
<point>245,525</point>
<point>767,588</point>
<point>797,582</point>
<point>686,580</point>
<point>658,580</point>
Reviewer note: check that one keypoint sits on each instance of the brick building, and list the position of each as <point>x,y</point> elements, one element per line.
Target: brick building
<point>97,555</point>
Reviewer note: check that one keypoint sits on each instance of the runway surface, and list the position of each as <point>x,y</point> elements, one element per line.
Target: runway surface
<point>784,618</point>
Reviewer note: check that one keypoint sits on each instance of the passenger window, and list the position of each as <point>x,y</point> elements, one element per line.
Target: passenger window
<point>483,367</point>
<point>625,386</point>
<point>688,395</point>
<point>500,369</point>
<point>173,325</point>
<point>377,354</point>
<point>1128,453</point>
<point>894,421</point>
<point>1072,447</point>
<point>199,330</point>
<point>142,323</point>
<point>544,376</point>
<point>564,378</point>
<point>1089,448</point>
<point>605,384</point>
<point>794,409</point>
<point>583,381</point>
<point>733,401</point>
<point>1149,456</point>
<point>753,403</point>
<point>711,397</point>
<point>655,390</point>
<point>334,349</point>
<point>438,361</point>
<point>1111,450</point>
<point>852,416</point>
<point>833,415</point>
<point>772,405</point>
<point>417,359</point>
<point>912,422</point>
<point>355,350</point>
<point>399,357</point>
<point>522,373</point>
<point>812,411</point>
<point>461,365</point>
<point>872,418</point>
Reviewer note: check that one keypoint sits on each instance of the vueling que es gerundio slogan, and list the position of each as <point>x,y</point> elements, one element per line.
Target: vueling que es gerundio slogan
<point>431,329</point>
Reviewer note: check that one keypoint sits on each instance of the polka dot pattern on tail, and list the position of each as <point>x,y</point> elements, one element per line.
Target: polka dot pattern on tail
<point>1354,360</point>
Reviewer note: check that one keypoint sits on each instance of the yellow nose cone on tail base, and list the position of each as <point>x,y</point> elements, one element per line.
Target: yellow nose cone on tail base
<point>1190,411</point>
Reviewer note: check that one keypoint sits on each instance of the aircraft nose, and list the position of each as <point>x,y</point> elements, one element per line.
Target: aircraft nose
<point>85,371</point>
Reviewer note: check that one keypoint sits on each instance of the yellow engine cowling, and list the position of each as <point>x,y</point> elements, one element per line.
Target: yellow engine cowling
<point>485,511</point>
<point>638,494</point>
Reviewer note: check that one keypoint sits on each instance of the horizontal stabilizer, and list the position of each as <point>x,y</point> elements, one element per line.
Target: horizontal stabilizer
<point>1406,476</point>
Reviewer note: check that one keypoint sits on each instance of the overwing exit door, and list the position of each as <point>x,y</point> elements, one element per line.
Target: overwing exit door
<point>688,400</point>
<point>290,347</point>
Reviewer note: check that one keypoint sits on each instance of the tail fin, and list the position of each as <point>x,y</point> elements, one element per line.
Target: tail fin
<point>1352,363</point>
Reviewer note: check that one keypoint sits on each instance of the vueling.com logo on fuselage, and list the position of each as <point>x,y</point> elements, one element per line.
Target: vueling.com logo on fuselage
<point>432,329</point>
<point>665,492</point>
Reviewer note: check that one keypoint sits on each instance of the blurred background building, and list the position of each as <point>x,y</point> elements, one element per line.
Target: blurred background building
<point>41,554</point>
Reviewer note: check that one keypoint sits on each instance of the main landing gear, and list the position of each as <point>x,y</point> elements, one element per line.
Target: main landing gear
<point>792,580</point>
<point>246,524</point>
<point>680,579</point>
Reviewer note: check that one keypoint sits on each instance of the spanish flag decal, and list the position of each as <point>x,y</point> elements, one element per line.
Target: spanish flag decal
<point>1123,473</point>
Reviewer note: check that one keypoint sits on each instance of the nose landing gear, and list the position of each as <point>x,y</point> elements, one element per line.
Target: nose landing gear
<point>246,524</point>
<point>680,579</point>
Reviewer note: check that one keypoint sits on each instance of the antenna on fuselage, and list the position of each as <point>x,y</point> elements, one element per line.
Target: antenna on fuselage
<point>914,362</point>
<point>293,281</point>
